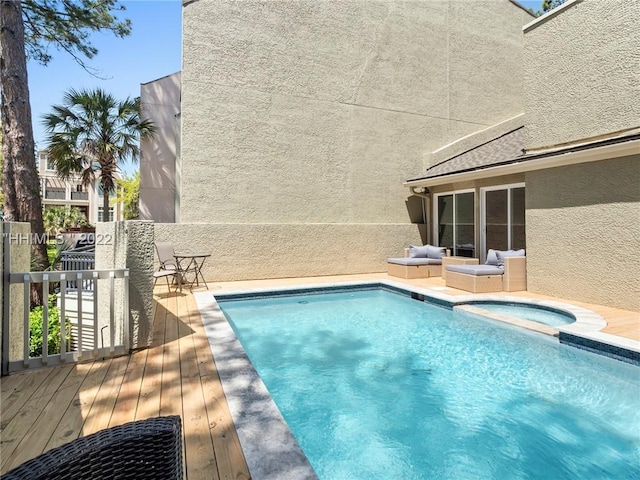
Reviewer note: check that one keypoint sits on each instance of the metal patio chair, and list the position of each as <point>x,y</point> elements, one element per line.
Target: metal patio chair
<point>168,265</point>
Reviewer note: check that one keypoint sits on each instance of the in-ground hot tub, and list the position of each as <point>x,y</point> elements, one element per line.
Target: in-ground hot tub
<point>526,311</point>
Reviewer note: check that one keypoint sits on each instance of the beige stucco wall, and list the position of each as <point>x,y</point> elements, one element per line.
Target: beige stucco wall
<point>302,112</point>
<point>583,232</point>
<point>244,251</point>
<point>160,101</point>
<point>582,72</point>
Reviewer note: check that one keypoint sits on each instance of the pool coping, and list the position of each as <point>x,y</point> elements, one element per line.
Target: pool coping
<point>271,451</point>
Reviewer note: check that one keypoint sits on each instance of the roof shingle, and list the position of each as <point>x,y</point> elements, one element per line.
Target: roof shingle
<point>504,148</point>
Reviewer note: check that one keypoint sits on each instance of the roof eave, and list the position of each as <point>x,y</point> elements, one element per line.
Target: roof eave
<point>549,15</point>
<point>560,159</point>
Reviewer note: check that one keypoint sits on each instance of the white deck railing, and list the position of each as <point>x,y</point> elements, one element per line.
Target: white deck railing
<point>90,327</point>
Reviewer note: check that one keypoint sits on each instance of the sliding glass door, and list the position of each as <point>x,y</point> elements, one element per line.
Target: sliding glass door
<point>455,222</point>
<point>503,225</point>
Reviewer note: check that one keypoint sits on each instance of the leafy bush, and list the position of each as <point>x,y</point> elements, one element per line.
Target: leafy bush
<point>129,195</point>
<point>35,329</point>
<point>58,219</point>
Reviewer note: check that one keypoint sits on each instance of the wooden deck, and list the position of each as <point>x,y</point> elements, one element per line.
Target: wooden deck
<point>176,376</point>
<point>45,408</point>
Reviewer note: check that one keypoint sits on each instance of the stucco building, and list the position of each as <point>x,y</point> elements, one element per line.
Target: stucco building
<point>71,193</point>
<point>565,186</point>
<point>322,137</point>
<point>160,162</point>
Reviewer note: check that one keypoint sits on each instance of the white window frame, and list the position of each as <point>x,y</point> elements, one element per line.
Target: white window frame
<point>112,213</point>
<point>483,214</point>
<point>436,219</point>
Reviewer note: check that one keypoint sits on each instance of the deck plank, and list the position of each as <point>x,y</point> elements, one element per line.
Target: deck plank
<point>101,410</point>
<point>170,394</point>
<point>37,438</point>
<point>19,391</point>
<point>126,404</point>
<point>70,426</point>
<point>9,384</point>
<point>200,457</point>
<point>29,413</point>
<point>149,398</point>
<point>229,455</point>
<point>170,400</point>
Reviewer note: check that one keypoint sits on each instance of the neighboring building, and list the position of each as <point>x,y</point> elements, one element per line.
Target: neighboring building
<point>72,193</point>
<point>298,133</point>
<point>566,186</point>
<point>159,162</point>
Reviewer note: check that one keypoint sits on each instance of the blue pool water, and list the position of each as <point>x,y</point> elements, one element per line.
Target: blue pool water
<point>375,385</point>
<point>532,313</point>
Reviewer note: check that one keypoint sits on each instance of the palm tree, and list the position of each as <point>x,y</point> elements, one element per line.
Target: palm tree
<point>91,134</point>
<point>60,218</point>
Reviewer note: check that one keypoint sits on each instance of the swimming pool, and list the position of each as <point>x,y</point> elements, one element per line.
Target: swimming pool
<point>376,385</point>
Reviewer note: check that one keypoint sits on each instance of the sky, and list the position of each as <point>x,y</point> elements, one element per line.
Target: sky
<point>153,50</point>
<point>536,5</point>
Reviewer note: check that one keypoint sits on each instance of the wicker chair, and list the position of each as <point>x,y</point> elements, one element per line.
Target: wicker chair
<point>420,267</point>
<point>512,279</point>
<point>149,449</point>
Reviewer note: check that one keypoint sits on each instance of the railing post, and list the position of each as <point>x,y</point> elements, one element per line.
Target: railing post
<point>127,313</point>
<point>63,313</point>
<point>25,319</point>
<point>79,310</point>
<point>6,288</point>
<point>95,313</point>
<point>16,258</point>
<point>45,319</point>
<point>112,313</point>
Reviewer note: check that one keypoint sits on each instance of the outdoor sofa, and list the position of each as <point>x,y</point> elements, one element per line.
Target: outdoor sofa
<point>504,270</point>
<point>149,449</point>
<point>418,262</point>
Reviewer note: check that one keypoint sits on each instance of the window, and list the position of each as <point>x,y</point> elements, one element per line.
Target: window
<point>455,222</point>
<point>78,188</point>
<point>43,159</point>
<point>101,214</point>
<point>503,213</point>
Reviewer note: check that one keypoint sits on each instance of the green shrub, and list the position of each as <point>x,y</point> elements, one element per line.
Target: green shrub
<point>51,251</point>
<point>35,329</point>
